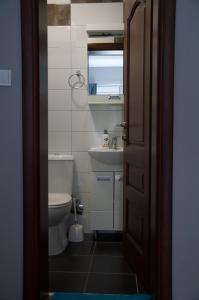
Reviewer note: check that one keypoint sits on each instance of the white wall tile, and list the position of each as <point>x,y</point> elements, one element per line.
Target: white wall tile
<point>82,121</point>
<point>79,36</point>
<point>82,141</point>
<point>79,99</point>
<point>79,58</point>
<point>96,13</point>
<point>59,121</point>
<point>58,79</point>
<point>95,120</point>
<point>59,36</point>
<point>59,141</point>
<point>59,57</point>
<point>81,182</point>
<point>82,161</point>
<point>59,100</point>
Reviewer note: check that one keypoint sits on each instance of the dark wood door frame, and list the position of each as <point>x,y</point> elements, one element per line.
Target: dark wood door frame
<point>35,147</point>
<point>162,145</point>
<point>35,162</point>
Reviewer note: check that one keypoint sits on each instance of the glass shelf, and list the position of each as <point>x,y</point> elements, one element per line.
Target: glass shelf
<point>105,100</point>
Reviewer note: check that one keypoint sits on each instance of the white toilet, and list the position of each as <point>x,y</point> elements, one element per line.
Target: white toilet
<point>59,200</point>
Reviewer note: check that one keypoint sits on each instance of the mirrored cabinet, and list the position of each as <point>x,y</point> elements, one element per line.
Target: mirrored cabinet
<point>105,69</point>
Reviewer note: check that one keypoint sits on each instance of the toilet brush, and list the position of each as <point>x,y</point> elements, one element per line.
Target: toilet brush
<point>76,232</point>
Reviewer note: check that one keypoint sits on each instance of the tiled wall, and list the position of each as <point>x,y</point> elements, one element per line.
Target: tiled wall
<point>74,127</point>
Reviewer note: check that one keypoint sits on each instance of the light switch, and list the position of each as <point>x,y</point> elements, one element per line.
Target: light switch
<point>5,77</point>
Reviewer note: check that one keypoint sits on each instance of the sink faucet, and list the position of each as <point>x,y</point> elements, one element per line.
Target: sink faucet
<point>113,144</point>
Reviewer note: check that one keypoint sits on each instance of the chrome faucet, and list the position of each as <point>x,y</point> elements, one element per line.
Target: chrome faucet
<point>113,144</point>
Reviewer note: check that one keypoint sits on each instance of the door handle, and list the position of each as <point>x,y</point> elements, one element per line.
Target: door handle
<point>123,125</point>
<point>118,177</point>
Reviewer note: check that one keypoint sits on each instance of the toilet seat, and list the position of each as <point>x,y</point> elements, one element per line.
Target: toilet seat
<point>58,200</point>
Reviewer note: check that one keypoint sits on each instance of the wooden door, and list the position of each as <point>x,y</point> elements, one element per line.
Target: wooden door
<point>137,140</point>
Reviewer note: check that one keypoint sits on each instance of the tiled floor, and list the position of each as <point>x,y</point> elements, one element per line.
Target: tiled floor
<point>93,267</point>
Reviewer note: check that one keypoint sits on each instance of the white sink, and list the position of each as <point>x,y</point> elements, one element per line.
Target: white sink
<point>107,156</point>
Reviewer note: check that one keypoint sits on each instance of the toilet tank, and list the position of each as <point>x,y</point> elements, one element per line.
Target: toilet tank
<point>60,173</point>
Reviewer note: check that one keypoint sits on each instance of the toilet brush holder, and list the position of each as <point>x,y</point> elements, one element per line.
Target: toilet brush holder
<point>76,233</point>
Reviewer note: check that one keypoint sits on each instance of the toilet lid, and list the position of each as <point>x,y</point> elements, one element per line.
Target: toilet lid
<point>58,199</point>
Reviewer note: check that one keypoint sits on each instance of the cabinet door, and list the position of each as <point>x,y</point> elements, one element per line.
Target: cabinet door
<point>118,201</point>
<point>101,220</point>
<point>101,204</point>
<point>101,191</point>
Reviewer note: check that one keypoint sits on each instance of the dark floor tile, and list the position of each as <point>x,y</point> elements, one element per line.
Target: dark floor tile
<point>106,236</point>
<point>66,282</point>
<point>70,263</point>
<point>112,248</point>
<point>110,264</point>
<point>88,237</point>
<point>111,284</point>
<point>84,248</point>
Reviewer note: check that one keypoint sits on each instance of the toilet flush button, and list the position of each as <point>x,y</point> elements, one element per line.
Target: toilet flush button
<point>5,77</point>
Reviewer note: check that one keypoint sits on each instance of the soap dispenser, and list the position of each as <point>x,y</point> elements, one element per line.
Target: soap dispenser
<point>105,139</point>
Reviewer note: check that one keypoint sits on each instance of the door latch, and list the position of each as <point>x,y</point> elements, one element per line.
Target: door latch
<point>123,125</point>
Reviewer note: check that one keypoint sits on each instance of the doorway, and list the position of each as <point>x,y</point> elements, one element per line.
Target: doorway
<point>160,186</point>
<point>85,68</point>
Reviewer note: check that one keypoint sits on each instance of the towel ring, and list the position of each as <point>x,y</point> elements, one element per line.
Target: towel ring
<point>80,83</point>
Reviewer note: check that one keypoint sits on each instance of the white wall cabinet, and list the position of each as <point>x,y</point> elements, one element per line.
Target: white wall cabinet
<point>106,207</point>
